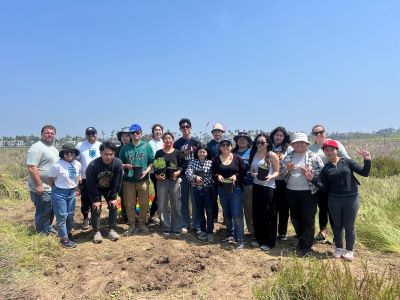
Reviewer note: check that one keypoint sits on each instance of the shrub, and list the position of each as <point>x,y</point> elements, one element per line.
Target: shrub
<point>385,166</point>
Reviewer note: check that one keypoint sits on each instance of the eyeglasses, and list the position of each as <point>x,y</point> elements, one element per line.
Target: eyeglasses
<point>137,132</point>
<point>185,127</point>
<point>91,133</point>
<point>69,152</point>
<point>261,143</point>
<point>225,144</point>
<point>318,132</point>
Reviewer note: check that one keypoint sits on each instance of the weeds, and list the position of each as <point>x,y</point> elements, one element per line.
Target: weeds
<point>385,166</point>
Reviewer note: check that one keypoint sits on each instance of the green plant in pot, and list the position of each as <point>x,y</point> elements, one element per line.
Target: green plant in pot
<point>171,169</point>
<point>263,171</point>
<point>160,166</point>
<point>228,185</point>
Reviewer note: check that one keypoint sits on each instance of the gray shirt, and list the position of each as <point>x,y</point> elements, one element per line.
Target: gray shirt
<point>316,148</point>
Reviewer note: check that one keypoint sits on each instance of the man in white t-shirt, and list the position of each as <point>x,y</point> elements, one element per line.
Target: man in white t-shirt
<point>41,157</point>
<point>89,150</point>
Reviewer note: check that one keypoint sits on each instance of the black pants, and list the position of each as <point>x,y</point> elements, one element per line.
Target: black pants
<point>323,213</point>
<point>154,205</point>
<point>283,209</point>
<point>264,215</point>
<point>112,217</point>
<point>214,198</point>
<point>303,206</point>
<point>123,209</point>
<point>85,202</point>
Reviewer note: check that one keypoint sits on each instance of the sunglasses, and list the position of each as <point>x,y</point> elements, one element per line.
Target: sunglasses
<point>318,132</point>
<point>69,152</point>
<point>185,127</point>
<point>91,133</point>
<point>261,143</point>
<point>137,132</point>
<point>225,144</point>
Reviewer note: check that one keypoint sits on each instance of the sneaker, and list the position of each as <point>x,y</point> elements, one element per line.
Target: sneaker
<point>67,243</point>
<point>113,235</point>
<point>254,243</point>
<point>349,255</point>
<point>265,248</point>
<point>282,237</point>
<point>130,231</point>
<point>198,231</point>
<point>210,238</point>
<point>184,230</point>
<point>143,229</point>
<point>153,220</point>
<point>97,239</point>
<point>228,239</point>
<point>177,234</point>
<point>202,236</point>
<point>239,246</point>
<point>85,224</point>
<point>71,238</point>
<point>338,253</point>
<point>166,233</point>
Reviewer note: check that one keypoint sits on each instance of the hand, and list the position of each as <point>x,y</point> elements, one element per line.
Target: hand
<point>364,153</point>
<point>127,166</point>
<point>96,206</point>
<point>175,175</point>
<point>267,178</point>
<point>233,177</point>
<point>144,174</point>
<point>290,166</point>
<point>160,176</point>
<point>113,203</point>
<point>220,178</point>
<point>198,180</point>
<point>253,174</point>
<point>308,173</point>
<point>40,189</point>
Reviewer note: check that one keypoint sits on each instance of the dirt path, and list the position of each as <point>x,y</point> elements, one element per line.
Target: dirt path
<point>154,267</point>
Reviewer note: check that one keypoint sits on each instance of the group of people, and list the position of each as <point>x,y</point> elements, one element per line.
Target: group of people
<point>259,183</point>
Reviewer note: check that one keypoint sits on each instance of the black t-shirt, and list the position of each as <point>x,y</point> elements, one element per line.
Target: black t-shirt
<point>174,156</point>
<point>236,167</point>
<point>181,144</point>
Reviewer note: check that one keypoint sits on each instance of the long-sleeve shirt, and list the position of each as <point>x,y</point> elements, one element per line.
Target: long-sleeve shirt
<point>103,180</point>
<point>317,149</point>
<point>197,165</point>
<point>236,167</point>
<point>339,179</point>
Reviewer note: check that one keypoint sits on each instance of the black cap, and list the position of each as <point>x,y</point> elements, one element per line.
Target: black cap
<point>91,130</point>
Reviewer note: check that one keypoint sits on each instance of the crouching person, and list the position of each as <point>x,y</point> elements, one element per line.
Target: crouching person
<point>104,178</point>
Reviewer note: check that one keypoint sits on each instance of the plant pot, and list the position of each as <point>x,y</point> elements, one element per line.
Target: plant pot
<point>160,171</point>
<point>200,173</point>
<point>137,171</point>
<point>170,171</point>
<point>228,187</point>
<point>262,173</point>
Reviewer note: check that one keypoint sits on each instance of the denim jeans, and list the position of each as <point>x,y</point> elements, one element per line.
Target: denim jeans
<point>170,190</point>
<point>44,214</point>
<point>186,193</point>
<point>63,202</point>
<point>204,203</point>
<point>232,208</point>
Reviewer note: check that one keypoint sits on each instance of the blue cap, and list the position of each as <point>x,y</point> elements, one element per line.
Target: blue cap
<point>135,127</point>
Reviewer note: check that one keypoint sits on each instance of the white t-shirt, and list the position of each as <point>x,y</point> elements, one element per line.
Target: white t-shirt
<point>65,174</point>
<point>156,145</point>
<point>88,152</point>
<point>297,181</point>
<point>43,156</point>
<point>255,164</point>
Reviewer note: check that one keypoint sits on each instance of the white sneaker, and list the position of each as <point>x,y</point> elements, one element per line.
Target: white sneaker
<point>338,253</point>
<point>184,230</point>
<point>254,243</point>
<point>265,248</point>
<point>97,239</point>
<point>113,235</point>
<point>349,255</point>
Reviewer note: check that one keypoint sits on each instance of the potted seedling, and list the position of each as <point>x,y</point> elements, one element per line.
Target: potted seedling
<point>228,186</point>
<point>137,171</point>
<point>160,166</point>
<point>200,173</point>
<point>263,171</point>
<point>171,169</point>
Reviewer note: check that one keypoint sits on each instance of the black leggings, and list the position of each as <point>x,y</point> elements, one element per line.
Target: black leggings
<point>323,213</point>
<point>283,209</point>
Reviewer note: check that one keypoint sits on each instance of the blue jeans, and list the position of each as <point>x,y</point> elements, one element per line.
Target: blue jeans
<point>44,214</point>
<point>204,202</point>
<point>232,208</point>
<point>63,202</point>
<point>186,192</point>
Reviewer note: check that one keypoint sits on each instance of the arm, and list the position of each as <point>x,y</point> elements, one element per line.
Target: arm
<point>364,170</point>
<point>91,182</point>
<point>189,172</point>
<point>320,182</point>
<point>51,181</point>
<point>34,173</point>
<point>275,166</point>
<point>116,182</point>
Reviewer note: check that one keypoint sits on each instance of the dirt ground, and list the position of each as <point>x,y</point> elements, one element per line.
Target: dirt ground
<point>152,266</point>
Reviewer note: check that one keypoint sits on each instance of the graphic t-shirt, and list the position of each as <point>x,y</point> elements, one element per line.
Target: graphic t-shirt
<point>88,152</point>
<point>65,174</point>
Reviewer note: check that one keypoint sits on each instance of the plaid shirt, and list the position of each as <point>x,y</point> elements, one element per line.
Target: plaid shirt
<point>205,166</point>
<point>312,160</point>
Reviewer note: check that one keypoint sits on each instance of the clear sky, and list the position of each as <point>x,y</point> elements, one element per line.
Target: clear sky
<point>246,64</point>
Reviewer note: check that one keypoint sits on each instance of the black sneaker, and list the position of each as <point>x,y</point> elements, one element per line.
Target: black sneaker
<point>68,244</point>
<point>71,238</point>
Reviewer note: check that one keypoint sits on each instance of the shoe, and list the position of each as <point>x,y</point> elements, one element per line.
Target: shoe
<point>320,237</point>
<point>97,239</point>
<point>228,239</point>
<point>131,230</point>
<point>338,253</point>
<point>202,236</point>
<point>254,243</point>
<point>71,238</point>
<point>184,230</point>
<point>166,233</point>
<point>67,243</point>
<point>239,246</point>
<point>198,231</point>
<point>52,230</point>
<point>349,255</point>
<point>305,252</point>
<point>177,234</point>
<point>85,224</point>
<point>282,237</point>
<point>113,235</point>
<point>153,220</point>
<point>210,238</point>
<point>143,229</point>
<point>265,248</point>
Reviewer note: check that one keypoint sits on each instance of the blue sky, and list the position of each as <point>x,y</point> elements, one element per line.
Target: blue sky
<point>246,64</point>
